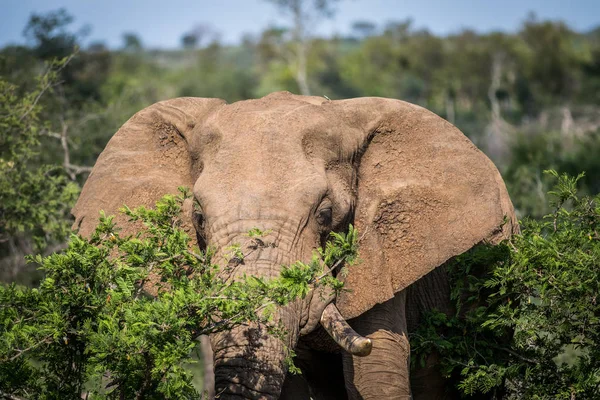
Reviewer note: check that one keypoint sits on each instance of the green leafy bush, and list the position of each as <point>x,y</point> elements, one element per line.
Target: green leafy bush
<point>527,320</point>
<point>91,327</point>
<point>35,199</point>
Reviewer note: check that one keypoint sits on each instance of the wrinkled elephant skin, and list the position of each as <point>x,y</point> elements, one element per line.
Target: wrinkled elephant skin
<point>418,191</point>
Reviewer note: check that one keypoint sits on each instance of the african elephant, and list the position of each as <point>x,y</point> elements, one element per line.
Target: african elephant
<point>418,191</point>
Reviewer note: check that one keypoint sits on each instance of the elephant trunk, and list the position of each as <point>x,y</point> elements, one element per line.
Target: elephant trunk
<point>249,362</point>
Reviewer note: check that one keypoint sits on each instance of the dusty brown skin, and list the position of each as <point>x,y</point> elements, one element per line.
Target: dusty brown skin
<point>414,186</point>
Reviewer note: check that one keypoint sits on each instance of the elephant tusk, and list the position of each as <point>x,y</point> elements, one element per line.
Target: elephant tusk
<point>343,334</point>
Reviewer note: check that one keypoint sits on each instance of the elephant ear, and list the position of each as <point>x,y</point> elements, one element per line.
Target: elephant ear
<point>147,158</point>
<point>425,194</point>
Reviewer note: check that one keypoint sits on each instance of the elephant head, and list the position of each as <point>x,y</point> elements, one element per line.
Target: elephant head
<point>418,191</point>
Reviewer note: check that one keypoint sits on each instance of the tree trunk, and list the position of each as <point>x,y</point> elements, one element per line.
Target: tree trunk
<point>494,87</point>
<point>301,48</point>
<point>450,113</point>
<point>567,122</point>
<point>301,74</point>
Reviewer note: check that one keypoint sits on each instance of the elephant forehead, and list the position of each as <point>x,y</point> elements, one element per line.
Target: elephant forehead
<point>284,131</point>
<point>281,120</point>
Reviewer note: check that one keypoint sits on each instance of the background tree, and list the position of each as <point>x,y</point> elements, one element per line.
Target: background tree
<point>363,29</point>
<point>304,15</point>
<point>35,198</point>
<point>200,35</point>
<point>132,42</point>
<point>49,34</point>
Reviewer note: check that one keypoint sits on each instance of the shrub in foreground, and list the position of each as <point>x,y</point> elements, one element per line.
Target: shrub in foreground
<point>91,329</point>
<point>527,312</point>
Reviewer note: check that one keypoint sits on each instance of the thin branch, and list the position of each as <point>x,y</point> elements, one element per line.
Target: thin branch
<point>51,134</point>
<point>79,169</point>
<point>338,262</point>
<point>288,56</point>
<point>143,282</point>
<point>329,270</point>
<point>210,328</point>
<point>72,169</point>
<point>21,352</point>
<point>46,86</point>
<point>198,256</point>
<point>520,357</point>
<point>35,101</point>
<point>362,236</point>
<point>224,322</point>
<point>10,396</point>
<point>90,117</point>
<point>147,378</point>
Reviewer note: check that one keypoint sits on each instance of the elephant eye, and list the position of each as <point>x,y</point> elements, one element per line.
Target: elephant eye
<point>324,216</point>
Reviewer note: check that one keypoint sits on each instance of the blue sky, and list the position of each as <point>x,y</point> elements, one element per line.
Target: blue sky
<point>161,23</point>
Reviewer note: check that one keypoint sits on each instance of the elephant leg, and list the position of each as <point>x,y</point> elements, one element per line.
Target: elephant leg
<point>383,374</point>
